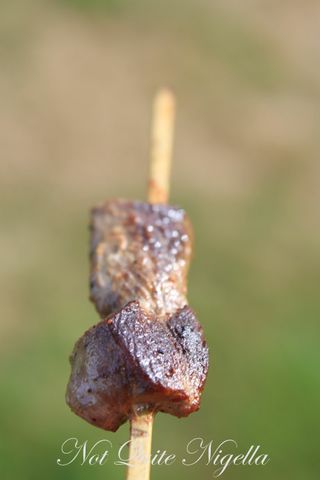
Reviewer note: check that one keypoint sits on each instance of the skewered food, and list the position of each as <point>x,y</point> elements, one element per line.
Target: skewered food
<point>148,354</point>
<point>132,362</point>
<point>139,251</point>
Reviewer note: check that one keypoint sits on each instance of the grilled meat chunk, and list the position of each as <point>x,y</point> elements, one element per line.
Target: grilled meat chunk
<point>132,362</point>
<point>139,251</point>
<point>149,354</point>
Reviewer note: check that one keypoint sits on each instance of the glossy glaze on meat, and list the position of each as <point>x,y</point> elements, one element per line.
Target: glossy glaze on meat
<point>148,353</point>
<point>131,361</point>
<point>139,251</point>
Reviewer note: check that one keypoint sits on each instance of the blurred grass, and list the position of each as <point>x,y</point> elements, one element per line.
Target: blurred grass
<point>76,87</point>
<point>249,56</point>
<point>106,6</point>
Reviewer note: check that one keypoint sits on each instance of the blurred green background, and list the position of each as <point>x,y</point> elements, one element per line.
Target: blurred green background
<point>77,78</point>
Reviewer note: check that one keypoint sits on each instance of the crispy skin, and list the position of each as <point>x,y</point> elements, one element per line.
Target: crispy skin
<point>139,251</point>
<point>131,361</point>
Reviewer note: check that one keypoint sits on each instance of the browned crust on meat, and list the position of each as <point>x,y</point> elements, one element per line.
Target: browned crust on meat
<point>139,251</point>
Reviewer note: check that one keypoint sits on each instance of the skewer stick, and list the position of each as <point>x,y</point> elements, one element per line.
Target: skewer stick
<point>158,192</point>
<point>140,447</point>
<point>161,146</point>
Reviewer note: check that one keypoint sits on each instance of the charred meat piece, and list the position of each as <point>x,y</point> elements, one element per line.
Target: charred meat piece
<point>131,361</point>
<point>149,354</point>
<point>139,251</point>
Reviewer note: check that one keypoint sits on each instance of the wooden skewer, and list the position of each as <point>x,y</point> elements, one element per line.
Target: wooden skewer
<point>140,447</point>
<point>161,147</point>
<point>158,192</point>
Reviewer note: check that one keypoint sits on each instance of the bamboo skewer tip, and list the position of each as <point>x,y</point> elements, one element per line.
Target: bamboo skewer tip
<point>162,131</point>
